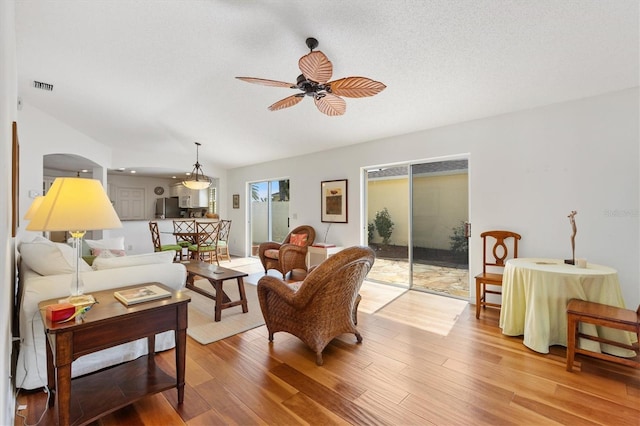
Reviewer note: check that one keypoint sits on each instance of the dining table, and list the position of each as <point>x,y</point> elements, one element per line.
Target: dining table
<point>535,293</point>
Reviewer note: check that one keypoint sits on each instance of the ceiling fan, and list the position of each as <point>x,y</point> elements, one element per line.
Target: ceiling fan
<point>314,81</point>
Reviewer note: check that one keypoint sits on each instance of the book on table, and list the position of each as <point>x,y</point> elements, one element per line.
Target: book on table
<point>141,294</point>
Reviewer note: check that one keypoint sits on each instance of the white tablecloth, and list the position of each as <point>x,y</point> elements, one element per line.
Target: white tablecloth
<point>535,293</point>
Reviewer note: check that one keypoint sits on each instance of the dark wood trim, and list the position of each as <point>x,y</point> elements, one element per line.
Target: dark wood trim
<point>15,179</point>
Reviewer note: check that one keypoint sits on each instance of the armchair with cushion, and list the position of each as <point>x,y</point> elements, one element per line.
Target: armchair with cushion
<point>290,254</point>
<point>323,305</point>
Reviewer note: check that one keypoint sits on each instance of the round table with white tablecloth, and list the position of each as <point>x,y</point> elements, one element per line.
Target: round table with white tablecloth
<point>535,293</point>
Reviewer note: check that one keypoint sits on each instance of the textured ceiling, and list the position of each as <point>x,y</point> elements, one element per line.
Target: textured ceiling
<point>151,77</point>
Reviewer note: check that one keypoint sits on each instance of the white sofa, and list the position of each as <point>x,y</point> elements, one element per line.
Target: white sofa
<point>116,272</point>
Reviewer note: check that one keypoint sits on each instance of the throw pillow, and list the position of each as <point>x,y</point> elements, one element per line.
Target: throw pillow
<point>138,259</point>
<point>298,239</point>
<point>116,243</point>
<point>48,258</point>
<point>99,252</point>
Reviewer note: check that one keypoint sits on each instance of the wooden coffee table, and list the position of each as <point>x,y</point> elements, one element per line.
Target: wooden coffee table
<point>110,323</point>
<point>216,276</point>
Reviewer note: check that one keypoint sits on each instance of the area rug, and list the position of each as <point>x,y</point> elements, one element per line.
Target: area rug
<point>202,326</point>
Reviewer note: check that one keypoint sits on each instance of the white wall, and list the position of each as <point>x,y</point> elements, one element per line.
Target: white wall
<point>8,114</point>
<point>527,171</point>
<point>41,134</point>
<point>146,183</point>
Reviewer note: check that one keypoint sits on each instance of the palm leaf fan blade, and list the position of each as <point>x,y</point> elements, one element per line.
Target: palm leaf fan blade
<point>315,66</point>
<point>286,102</point>
<point>356,87</point>
<point>330,104</point>
<point>266,82</point>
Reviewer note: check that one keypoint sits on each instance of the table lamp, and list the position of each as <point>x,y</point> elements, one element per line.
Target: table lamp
<point>76,205</point>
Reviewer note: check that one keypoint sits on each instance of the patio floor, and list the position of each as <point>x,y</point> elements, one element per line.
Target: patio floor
<point>441,279</point>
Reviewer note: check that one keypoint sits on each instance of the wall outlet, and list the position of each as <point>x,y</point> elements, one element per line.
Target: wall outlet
<point>130,247</point>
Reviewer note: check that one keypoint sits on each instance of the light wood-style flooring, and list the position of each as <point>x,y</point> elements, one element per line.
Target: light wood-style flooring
<point>399,375</point>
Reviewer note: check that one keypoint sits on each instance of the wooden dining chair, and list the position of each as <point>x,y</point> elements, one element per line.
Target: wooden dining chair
<point>206,246</point>
<point>493,262</point>
<point>223,239</point>
<point>184,226</point>
<point>158,246</point>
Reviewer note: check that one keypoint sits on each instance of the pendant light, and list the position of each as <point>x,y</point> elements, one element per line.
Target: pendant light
<point>197,179</point>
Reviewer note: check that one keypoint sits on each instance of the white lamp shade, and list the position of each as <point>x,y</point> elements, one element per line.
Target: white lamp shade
<point>75,204</point>
<point>197,184</point>
<point>33,208</point>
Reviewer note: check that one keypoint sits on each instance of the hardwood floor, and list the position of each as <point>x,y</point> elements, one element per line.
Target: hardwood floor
<point>399,375</point>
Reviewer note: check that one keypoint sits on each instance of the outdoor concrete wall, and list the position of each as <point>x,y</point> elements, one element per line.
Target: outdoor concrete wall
<point>440,203</point>
<point>394,195</point>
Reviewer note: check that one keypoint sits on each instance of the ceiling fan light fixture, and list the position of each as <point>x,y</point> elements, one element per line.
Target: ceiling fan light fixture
<point>197,179</point>
<point>314,82</point>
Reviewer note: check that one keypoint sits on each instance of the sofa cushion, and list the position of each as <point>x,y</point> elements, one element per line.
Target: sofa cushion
<point>48,258</point>
<point>100,263</point>
<point>272,253</point>
<point>298,239</point>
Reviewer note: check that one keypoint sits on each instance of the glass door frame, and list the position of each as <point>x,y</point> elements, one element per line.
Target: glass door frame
<point>410,194</point>
<point>269,200</point>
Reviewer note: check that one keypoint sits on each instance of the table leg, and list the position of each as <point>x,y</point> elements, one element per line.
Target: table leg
<point>243,296</point>
<point>63,358</point>
<point>51,378</point>
<point>151,350</point>
<point>219,299</point>
<point>181,350</point>
<point>572,341</point>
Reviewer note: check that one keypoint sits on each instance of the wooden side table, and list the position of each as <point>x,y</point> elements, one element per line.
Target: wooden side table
<point>110,323</point>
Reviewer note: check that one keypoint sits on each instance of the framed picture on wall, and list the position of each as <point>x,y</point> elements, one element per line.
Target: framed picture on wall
<point>236,201</point>
<point>15,176</point>
<point>334,201</point>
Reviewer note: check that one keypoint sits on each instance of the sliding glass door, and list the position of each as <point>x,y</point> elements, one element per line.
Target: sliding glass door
<point>416,214</point>
<point>440,208</point>
<point>388,225</point>
<point>269,212</point>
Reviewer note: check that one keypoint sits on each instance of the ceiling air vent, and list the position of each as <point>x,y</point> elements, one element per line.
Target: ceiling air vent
<point>43,86</point>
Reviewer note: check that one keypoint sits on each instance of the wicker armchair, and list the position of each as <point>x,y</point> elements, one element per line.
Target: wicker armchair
<point>323,305</point>
<point>285,256</point>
